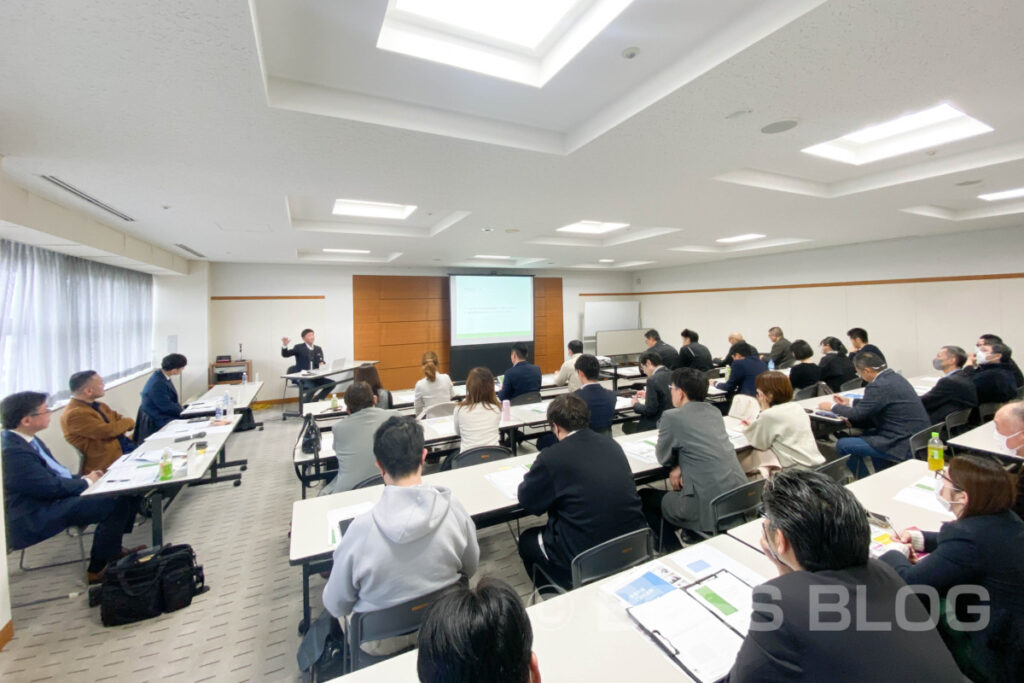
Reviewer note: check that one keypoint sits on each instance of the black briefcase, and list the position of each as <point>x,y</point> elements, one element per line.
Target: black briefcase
<point>148,583</point>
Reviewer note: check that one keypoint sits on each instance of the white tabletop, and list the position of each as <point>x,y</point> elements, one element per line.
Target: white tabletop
<point>133,472</point>
<point>327,370</point>
<point>586,635</point>
<point>982,439</point>
<point>241,396</point>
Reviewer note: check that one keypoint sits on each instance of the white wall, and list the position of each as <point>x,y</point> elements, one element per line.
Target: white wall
<point>907,321</point>
<point>181,305</point>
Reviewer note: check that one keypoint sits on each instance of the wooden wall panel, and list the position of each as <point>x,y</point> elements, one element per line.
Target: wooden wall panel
<point>397,318</point>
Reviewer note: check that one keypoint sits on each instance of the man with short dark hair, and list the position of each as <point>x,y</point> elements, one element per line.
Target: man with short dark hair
<point>746,366</point>
<point>352,438</point>
<point>668,354</point>
<point>416,539</point>
<point>859,341</point>
<point>817,535</point>
<point>693,442</point>
<point>585,486</point>
<point>779,354</point>
<point>955,390</point>
<point>1018,377</point>
<point>96,430</point>
<point>42,498</point>
<point>477,634</point>
<point>523,377</point>
<point>308,356</point>
<point>693,354</point>
<point>566,374</point>
<point>654,399</point>
<point>159,397</point>
<point>599,400</point>
<point>992,377</point>
<point>890,413</point>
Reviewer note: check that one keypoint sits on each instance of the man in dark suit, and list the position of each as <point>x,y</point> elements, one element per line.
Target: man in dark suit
<point>693,354</point>
<point>41,497</point>
<point>585,486</point>
<point>655,398</point>
<point>746,366</point>
<point>523,377</point>
<point>859,341</point>
<point>669,355</point>
<point>600,401</point>
<point>308,356</point>
<point>810,623</point>
<point>991,376</point>
<point>955,391</point>
<point>159,397</point>
<point>734,339</point>
<point>779,354</point>
<point>890,413</point>
<point>986,339</point>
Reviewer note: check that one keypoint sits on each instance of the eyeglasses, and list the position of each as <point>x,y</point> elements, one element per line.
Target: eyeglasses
<point>943,476</point>
<point>41,412</point>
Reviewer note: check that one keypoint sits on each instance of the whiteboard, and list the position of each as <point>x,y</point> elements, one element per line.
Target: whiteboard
<point>610,315</point>
<point>620,342</point>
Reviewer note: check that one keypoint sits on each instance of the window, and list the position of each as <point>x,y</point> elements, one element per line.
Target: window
<point>62,314</point>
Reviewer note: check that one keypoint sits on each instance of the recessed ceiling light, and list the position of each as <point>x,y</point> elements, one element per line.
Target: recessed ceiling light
<point>1005,194</point>
<point>738,113</point>
<point>740,238</point>
<point>592,227</point>
<point>347,251</point>
<point>630,52</point>
<point>779,126</point>
<point>606,260</point>
<point>909,133</point>
<point>356,207</point>
<point>493,257</point>
<point>486,229</point>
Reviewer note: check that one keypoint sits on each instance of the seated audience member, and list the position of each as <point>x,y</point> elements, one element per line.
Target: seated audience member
<point>817,535</point>
<point>890,413</point>
<point>983,547</point>
<point>435,387</point>
<point>308,356</point>
<point>585,486</point>
<point>478,415</point>
<point>668,354</point>
<point>477,634</point>
<point>955,391</point>
<point>416,539</point>
<point>93,428</point>
<point>780,353</point>
<point>42,498</point>
<point>986,339</point>
<point>836,367</point>
<point>705,466</point>
<point>353,438</point>
<point>600,401</point>
<point>368,373</point>
<point>523,377</point>
<point>1009,437</point>
<point>654,399</point>
<point>746,366</point>
<point>734,339</point>
<point>159,397</point>
<point>858,337</point>
<point>805,373</point>
<point>566,374</point>
<point>693,354</point>
<point>781,435</point>
<point>992,378</point>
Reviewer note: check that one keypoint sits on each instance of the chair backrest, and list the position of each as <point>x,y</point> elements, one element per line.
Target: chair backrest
<point>438,410</point>
<point>293,382</point>
<point>986,411</point>
<point>837,470</point>
<point>375,480</point>
<point>786,364</point>
<point>475,456</point>
<point>386,623</point>
<point>713,373</point>
<point>956,422</point>
<point>144,426</point>
<point>850,384</point>
<point>736,506</point>
<point>919,441</point>
<point>528,397</point>
<point>824,389</point>
<point>806,392</point>
<point>612,556</point>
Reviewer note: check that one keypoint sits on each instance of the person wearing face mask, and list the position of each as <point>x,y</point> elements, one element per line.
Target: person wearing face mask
<point>1009,436</point>
<point>955,391</point>
<point>984,547</point>
<point>817,535</point>
<point>992,378</point>
<point>782,430</point>
<point>1018,376</point>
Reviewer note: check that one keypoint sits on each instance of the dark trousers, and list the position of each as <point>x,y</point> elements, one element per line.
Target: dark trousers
<point>650,502</point>
<point>113,517</point>
<point>309,387</point>
<point>859,451</point>
<point>532,555</point>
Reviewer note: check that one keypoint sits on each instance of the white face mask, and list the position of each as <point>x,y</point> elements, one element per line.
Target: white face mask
<point>1001,440</point>
<point>981,357</point>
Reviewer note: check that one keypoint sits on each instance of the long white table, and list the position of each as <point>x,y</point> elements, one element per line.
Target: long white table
<point>135,473</point>
<point>982,440</point>
<point>325,371</point>
<point>586,635</point>
<point>240,397</point>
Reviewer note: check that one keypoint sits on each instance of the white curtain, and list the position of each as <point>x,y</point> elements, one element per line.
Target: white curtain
<point>62,314</point>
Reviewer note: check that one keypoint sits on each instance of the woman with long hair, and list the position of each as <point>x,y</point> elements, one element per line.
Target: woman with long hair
<point>477,416</point>
<point>368,373</point>
<point>435,387</point>
<point>836,366</point>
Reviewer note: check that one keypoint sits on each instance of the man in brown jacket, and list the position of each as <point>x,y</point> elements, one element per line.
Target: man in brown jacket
<point>98,432</point>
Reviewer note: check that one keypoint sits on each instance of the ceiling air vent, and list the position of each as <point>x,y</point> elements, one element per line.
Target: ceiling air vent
<point>190,250</point>
<point>85,197</point>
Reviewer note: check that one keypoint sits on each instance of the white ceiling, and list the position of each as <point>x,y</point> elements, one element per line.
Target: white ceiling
<point>148,104</point>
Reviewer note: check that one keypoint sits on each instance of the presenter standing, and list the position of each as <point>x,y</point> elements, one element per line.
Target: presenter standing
<point>308,356</point>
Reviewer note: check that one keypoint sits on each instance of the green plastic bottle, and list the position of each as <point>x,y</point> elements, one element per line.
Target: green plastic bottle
<point>166,468</point>
<point>936,453</point>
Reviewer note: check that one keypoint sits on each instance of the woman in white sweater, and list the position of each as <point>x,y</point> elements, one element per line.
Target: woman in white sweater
<point>783,430</point>
<point>435,387</point>
<point>478,415</point>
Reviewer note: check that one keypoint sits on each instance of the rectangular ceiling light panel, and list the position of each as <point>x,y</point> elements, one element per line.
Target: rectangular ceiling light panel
<point>363,209</point>
<point>1005,194</point>
<point>592,227</point>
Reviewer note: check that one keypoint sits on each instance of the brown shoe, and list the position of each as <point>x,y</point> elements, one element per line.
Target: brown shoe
<point>95,577</point>
<point>125,552</point>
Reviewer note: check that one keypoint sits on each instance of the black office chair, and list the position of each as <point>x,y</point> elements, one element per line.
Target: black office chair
<point>837,470</point>
<point>284,394</point>
<point>851,384</point>
<point>813,391</point>
<point>786,364</point>
<point>524,399</point>
<point>604,559</point>
<point>986,411</point>
<point>919,441</point>
<point>475,456</point>
<point>438,410</point>
<point>713,373</point>
<point>144,426</point>
<point>375,480</point>
<point>957,421</point>
<point>734,507</point>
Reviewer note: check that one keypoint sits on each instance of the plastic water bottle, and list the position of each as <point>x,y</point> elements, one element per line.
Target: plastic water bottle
<point>771,364</point>
<point>245,378</point>
<point>334,401</point>
<point>166,468</point>
<point>506,410</point>
<point>936,453</point>
<point>220,410</point>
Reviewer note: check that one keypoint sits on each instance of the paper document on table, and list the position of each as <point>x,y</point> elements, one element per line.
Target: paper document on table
<point>439,427</point>
<point>157,453</point>
<point>701,560</point>
<point>335,517</point>
<point>507,480</point>
<point>644,583</point>
<point>922,494</point>
<point>727,597</point>
<point>644,450</point>
<point>881,540</point>
<point>128,476</point>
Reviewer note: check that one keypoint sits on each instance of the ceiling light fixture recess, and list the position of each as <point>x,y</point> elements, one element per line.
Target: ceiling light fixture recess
<point>592,227</point>
<point>492,257</point>
<point>1005,194</point>
<point>332,250</point>
<point>606,260</point>
<point>780,126</point>
<point>740,238</point>
<point>364,209</point>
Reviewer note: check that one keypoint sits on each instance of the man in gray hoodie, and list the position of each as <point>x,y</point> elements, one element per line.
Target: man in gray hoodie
<point>417,539</point>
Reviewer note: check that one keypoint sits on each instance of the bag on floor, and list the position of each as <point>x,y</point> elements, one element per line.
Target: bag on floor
<point>148,583</point>
<point>321,653</point>
<point>310,435</point>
